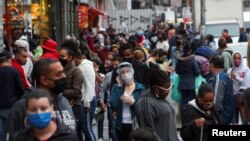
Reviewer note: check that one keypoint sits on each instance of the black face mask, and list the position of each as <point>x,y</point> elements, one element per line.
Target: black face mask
<point>178,43</point>
<point>63,62</point>
<point>159,61</point>
<point>60,86</point>
<point>127,60</point>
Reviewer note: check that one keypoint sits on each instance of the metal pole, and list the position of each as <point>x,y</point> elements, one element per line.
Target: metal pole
<point>203,20</point>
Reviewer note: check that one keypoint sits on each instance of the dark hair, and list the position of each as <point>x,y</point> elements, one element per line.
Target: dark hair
<point>222,42</point>
<point>83,51</point>
<point>205,88</point>
<point>217,61</point>
<point>225,30</point>
<point>5,56</point>
<point>246,98</point>
<point>125,47</point>
<point>143,134</point>
<point>19,50</point>
<point>117,59</point>
<point>41,67</point>
<point>96,61</point>
<point>210,38</point>
<point>156,76</point>
<point>37,93</point>
<point>71,46</point>
<point>159,52</point>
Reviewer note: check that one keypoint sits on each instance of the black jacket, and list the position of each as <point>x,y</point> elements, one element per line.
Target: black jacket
<point>63,133</point>
<point>15,121</point>
<point>189,131</point>
<point>11,88</point>
<point>187,70</point>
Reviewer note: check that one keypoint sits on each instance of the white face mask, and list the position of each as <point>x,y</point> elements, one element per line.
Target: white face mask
<point>127,78</point>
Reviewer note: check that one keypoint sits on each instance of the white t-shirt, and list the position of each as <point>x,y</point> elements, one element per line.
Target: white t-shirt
<point>162,45</point>
<point>126,113</point>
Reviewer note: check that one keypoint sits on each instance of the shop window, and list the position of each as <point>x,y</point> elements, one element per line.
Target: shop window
<point>26,16</point>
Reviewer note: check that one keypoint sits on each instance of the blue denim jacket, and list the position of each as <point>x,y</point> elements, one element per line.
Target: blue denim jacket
<point>116,103</point>
<point>223,97</point>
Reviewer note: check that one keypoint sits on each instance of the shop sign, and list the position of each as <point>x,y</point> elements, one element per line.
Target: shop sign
<point>83,16</point>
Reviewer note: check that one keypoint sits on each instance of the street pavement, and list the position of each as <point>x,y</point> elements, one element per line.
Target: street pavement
<point>105,131</point>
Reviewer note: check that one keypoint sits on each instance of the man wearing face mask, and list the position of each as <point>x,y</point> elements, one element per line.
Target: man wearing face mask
<point>177,51</point>
<point>199,113</point>
<point>48,75</point>
<point>140,69</point>
<point>153,110</point>
<point>20,59</point>
<point>122,100</point>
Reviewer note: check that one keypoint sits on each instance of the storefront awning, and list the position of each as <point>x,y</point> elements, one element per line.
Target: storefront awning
<point>95,11</point>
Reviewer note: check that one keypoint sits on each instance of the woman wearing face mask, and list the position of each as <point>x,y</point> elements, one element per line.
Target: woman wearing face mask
<point>153,110</point>
<point>237,75</point>
<point>123,99</point>
<point>74,81</point>
<point>41,121</point>
<point>198,115</point>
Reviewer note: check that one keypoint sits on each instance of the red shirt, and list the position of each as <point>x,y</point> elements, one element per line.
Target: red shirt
<point>18,66</point>
<point>103,54</point>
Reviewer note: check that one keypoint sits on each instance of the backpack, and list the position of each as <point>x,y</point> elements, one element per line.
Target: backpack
<point>206,52</point>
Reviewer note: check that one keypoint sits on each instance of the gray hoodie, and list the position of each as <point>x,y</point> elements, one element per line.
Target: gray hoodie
<point>157,114</point>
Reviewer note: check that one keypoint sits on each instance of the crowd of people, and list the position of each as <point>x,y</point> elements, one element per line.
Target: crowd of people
<point>55,91</point>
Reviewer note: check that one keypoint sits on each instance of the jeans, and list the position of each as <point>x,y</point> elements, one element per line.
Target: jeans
<point>237,103</point>
<point>123,135</point>
<point>78,112</point>
<point>100,121</point>
<point>111,121</point>
<point>3,117</point>
<point>88,121</point>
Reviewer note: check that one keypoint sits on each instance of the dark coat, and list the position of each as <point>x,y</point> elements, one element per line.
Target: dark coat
<point>74,82</point>
<point>11,87</point>
<point>187,70</point>
<point>189,131</point>
<point>63,133</point>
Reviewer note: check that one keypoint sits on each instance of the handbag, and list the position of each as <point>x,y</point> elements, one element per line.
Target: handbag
<point>176,95</point>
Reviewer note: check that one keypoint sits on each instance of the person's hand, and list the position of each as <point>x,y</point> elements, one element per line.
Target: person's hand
<point>127,100</point>
<point>233,76</point>
<point>170,69</point>
<point>199,122</point>
<point>114,115</point>
<point>103,106</point>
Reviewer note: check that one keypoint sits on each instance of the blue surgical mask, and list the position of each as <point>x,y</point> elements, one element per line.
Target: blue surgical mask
<point>39,120</point>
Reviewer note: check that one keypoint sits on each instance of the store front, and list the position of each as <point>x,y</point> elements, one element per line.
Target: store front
<point>26,16</point>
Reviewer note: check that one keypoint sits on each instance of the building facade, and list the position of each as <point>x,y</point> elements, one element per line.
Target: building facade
<point>48,18</point>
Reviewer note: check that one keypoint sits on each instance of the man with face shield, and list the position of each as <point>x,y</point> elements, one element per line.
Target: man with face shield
<point>123,98</point>
<point>199,113</point>
<point>153,110</point>
<point>48,75</point>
